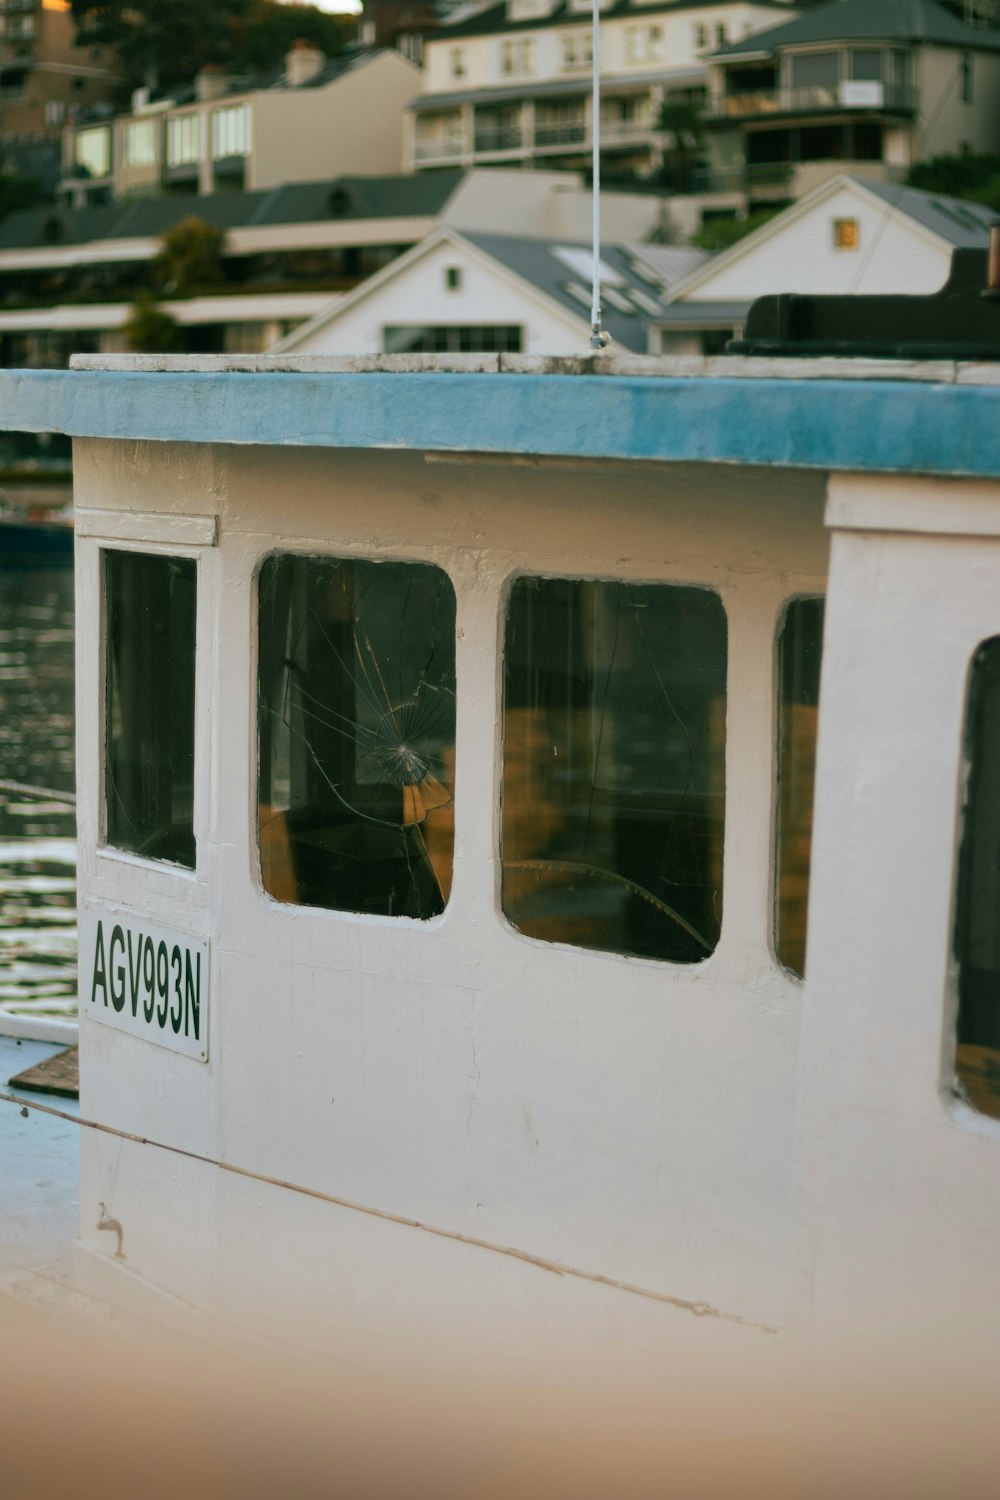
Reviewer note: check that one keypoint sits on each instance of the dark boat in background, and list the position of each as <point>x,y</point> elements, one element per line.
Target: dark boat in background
<point>36,521</point>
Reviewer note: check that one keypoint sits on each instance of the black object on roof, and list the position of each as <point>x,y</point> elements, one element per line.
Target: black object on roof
<point>961,321</point>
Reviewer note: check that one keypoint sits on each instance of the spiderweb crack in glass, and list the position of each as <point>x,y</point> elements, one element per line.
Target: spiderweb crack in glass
<point>357,730</point>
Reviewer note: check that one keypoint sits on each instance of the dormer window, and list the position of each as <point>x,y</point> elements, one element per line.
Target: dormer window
<point>643,43</point>
<point>700,37</point>
<point>528,10</point>
<point>456,62</point>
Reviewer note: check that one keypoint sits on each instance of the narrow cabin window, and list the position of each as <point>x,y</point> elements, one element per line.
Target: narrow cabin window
<point>977,922</point>
<point>150,609</point>
<point>356,715</point>
<point>800,648</point>
<point>614,766</point>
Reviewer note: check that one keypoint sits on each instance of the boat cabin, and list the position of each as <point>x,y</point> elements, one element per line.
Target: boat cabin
<point>537,858</point>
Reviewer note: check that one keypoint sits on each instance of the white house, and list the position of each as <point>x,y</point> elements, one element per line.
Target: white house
<point>511,81</point>
<point>877,84</point>
<point>473,293</point>
<point>846,236</point>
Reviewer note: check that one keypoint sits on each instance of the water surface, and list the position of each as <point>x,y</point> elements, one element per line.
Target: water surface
<point>37,834</point>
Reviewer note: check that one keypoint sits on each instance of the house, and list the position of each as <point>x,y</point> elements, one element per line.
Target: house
<point>67,276</point>
<point>45,80</point>
<point>482,293</point>
<point>849,235</point>
<point>511,81</point>
<point>872,86</point>
<point>318,118</point>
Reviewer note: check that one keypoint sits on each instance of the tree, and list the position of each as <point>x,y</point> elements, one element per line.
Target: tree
<point>681,122</point>
<point>974,177</point>
<point>264,38</point>
<point>162,46</point>
<point>190,257</point>
<point>719,234</point>
<point>151,330</point>
<point>158,45</point>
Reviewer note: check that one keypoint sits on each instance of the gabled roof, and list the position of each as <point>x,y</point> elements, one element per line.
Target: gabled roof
<point>400,196</point>
<point>555,270</point>
<point>953,221</point>
<point>866,20</point>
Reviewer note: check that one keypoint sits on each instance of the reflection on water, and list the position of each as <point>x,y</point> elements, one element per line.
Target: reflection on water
<point>37,836</point>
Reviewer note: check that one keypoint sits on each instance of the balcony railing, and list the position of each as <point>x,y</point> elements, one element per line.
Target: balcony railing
<point>439,148</point>
<point>847,95</point>
<point>560,135</point>
<point>499,138</point>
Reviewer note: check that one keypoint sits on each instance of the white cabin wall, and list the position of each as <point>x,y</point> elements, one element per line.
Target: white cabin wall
<point>900,1181</point>
<point>628,1118</point>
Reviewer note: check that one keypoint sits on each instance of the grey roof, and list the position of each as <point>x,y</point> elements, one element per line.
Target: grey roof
<point>536,262</point>
<point>667,263</point>
<point>493,18</point>
<point>866,20</point>
<point>963,224</point>
<point>688,315</point>
<point>400,196</point>
<point>573,87</point>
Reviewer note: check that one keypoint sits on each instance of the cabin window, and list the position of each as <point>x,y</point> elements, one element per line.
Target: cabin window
<point>614,766</point>
<point>977,921</point>
<point>800,649</point>
<point>150,608</point>
<point>356,717</point>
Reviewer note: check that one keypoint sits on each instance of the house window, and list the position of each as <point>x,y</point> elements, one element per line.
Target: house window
<point>453,278</point>
<point>356,723</point>
<point>846,234</point>
<point>577,49</point>
<point>185,137</point>
<point>720,34</point>
<point>149,670</point>
<point>965,89</point>
<point>231,131</point>
<point>642,43</point>
<point>700,38</point>
<point>452,338</point>
<point>977,928</point>
<point>55,112</point>
<point>516,56</point>
<point>456,59</point>
<point>614,766</point>
<point>139,145</point>
<point>800,647</point>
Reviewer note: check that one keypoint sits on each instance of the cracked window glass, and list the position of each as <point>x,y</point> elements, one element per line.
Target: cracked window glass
<point>800,649</point>
<point>977,929</point>
<point>150,608</point>
<point>357,734</point>
<point>614,766</point>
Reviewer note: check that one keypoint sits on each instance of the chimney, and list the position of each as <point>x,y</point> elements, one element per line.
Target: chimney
<point>211,82</point>
<point>303,63</point>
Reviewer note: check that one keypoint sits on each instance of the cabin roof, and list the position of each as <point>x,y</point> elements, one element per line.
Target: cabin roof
<point>885,416</point>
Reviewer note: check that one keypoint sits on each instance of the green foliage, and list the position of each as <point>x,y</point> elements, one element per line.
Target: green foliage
<point>684,134</point>
<point>265,36</point>
<point>190,257</point>
<point>149,329</point>
<point>719,234</point>
<point>18,192</point>
<point>974,177</point>
<point>162,45</point>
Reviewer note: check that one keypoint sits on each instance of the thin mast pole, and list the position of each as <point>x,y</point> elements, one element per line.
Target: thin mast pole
<point>597,338</point>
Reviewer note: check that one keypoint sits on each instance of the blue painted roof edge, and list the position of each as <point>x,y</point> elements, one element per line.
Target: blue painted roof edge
<point>867,425</point>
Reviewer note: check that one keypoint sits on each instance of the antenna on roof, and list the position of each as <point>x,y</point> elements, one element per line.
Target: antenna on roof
<point>598,339</point>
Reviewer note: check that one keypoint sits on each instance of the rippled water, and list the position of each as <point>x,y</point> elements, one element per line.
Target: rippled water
<point>37,836</point>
